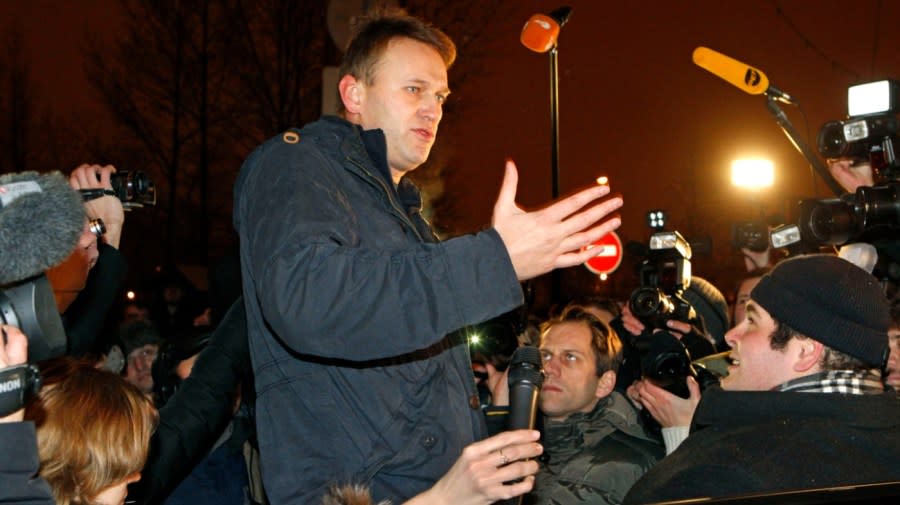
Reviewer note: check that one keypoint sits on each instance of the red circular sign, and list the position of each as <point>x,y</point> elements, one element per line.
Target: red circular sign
<point>609,254</point>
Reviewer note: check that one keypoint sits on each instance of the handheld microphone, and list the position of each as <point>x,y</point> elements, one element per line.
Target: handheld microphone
<point>525,380</point>
<point>541,30</point>
<point>750,80</point>
<point>41,218</point>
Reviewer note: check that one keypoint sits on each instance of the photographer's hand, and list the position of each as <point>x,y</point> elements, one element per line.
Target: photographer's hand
<point>668,409</point>
<point>552,237</point>
<point>108,208</point>
<point>679,328</point>
<point>697,342</point>
<point>631,323</point>
<point>851,176</point>
<point>13,351</point>
<point>754,260</point>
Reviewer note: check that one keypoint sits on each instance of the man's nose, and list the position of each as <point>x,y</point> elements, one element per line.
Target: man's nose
<point>734,334</point>
<point>432,109</point>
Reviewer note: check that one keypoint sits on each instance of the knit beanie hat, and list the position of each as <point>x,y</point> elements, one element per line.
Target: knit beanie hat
<point>829,300</point>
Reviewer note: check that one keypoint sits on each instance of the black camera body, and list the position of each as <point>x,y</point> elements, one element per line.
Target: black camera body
<point>840,220</point>
<point>859,137</point>
<point>753,235</point>
<point>665,274</point>
<point>868,135</point>
<point>133,188</point>
<point>871,139</point>
<point>667,363</point>
<point>29,305</point>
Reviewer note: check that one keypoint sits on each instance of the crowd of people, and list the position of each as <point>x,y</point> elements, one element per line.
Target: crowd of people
<point>325,365</point>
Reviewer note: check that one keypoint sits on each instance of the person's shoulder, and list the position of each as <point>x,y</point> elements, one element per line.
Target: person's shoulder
<point>295,148</point>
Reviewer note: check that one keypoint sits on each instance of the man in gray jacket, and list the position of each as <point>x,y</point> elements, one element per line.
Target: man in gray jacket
<point>349,294</point>
<point>595,446</point>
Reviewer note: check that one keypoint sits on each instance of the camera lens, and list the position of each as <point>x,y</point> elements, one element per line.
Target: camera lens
<point>646,302</point>
<point>831,141</point>
<point>880,205</point>
<point>833,222</point>
<point>670,366</point>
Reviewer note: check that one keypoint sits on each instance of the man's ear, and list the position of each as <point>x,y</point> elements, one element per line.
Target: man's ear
<point>352,93</point>
<point>606,384</point>
<point>808,355</point>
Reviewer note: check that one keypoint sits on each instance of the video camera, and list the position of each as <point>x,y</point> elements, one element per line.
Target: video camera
<point>134,189</point>
<point>868,135</point>
<point>41,218</point>
<point>29,305</point>
<point>753,235</point>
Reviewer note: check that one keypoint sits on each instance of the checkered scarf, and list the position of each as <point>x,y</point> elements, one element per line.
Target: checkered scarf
<point>851,382</point>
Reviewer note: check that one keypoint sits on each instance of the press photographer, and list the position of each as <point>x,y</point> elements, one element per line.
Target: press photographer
<point>88,282</point>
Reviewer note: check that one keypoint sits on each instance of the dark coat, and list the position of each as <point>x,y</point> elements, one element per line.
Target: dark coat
<point>349,298</point>
<point>594,457</point>
<point>19,463</point>
<point>192,420</point>
<point>85,317</point>
<point>756,442</point>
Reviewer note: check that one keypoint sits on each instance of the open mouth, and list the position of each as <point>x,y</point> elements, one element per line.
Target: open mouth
<point>732,360</point>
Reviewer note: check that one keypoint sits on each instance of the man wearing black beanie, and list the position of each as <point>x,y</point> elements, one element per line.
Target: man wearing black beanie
<point>815,324</point>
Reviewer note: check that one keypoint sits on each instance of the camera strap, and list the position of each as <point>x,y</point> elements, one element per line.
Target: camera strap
<point>17,385</point>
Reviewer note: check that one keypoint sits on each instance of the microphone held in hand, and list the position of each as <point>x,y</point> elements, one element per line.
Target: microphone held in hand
<point>740,75</point>
<point>525,380</point>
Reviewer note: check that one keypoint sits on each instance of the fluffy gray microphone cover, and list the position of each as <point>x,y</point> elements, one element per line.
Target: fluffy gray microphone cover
<point>41,218</point>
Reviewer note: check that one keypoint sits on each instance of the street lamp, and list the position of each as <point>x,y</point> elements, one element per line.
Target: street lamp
<point>753,174</point>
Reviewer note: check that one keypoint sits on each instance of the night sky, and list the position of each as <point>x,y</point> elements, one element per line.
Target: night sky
<point>633,106</point>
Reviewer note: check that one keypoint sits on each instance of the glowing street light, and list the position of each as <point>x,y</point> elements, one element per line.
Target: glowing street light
<point>752,173</point>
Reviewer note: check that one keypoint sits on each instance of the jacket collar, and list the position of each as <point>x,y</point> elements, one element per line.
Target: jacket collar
<point>744,408</point>
<point>369,148</point>
<point>612,413</point>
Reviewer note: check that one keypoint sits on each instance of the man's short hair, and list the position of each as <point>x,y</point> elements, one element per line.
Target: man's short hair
<point>376,31</point>
<point>605,304</point>
<point>832,359</point>
<point>604,340</point>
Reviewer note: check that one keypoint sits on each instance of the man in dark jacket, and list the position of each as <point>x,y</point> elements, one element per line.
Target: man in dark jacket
<point>595,446</point>
<point>816,325</point>
<point>350,295</point>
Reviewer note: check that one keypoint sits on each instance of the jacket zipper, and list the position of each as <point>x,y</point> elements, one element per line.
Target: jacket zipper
<point>390,196</point>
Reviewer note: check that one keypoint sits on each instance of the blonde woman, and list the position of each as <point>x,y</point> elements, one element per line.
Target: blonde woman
<point>93,432</point>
